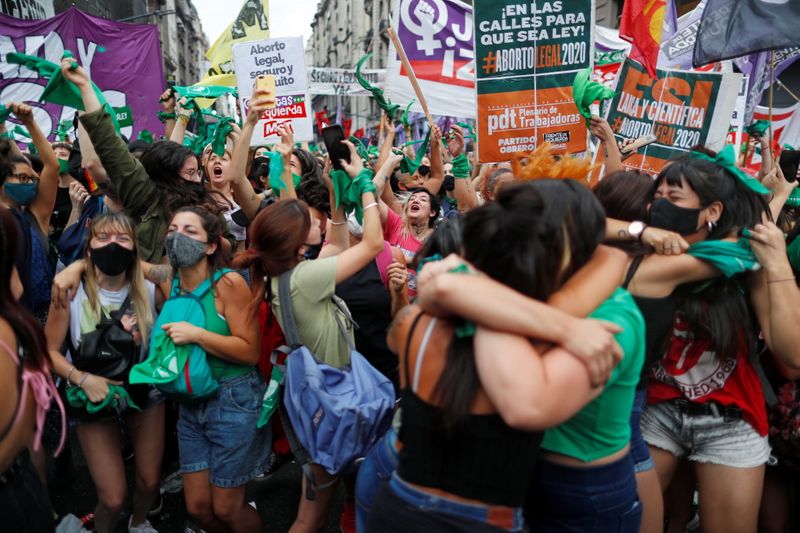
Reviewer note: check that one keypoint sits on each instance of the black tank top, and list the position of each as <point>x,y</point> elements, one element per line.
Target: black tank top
<point>481,459</point>
<point>658,316</point>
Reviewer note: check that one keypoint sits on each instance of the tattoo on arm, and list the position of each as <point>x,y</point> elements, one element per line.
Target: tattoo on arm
<point>159,274</point>
<point>623,234</point>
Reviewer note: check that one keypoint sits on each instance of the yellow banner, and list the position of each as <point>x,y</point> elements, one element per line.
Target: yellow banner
<point>251,24</point>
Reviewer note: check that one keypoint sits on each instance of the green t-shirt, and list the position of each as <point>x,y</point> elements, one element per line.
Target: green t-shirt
<point>603,426</point>
<point>312,286</point>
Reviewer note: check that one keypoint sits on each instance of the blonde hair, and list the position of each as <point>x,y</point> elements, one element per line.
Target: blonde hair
<point>119,224</point>
<point>542,164</point>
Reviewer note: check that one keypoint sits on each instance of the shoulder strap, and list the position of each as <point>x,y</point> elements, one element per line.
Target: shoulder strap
<point>116,315</point>
<point>637,261</point>
<point>383,261</point>
<point>409,338</point>
<point>17,360</point>
<point>423,346</point>
<point>288,323</point>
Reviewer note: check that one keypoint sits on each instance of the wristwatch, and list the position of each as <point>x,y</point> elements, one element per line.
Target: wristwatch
<point>636,229</point>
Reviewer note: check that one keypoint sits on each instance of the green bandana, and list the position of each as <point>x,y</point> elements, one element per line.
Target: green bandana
<point>793,251</point>
<point>410,166</point>
<point>730,258</point>
<point>221,132</point>
<point>377,93</point>
<point>347,192</point>
<point>276,171</point>
<point>77,398</point>
<point>361,150</point>
<point>62,131</point>
<point>727,160</point>
<point>272,396</point>
<point>404,118</point>
<point>63,166</point>
<point>146,136</point>
<point>467,126</point>
<point>585,92</point>
<point>757,128</point>
<point>5,112</point>
<point>203,91</point>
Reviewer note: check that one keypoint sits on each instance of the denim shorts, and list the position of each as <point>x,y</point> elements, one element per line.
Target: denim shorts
<point>221,434</point>
<point>375,471</point>
<point>401,508</point>
<point>642,462</point>
<point>704,438</point>
<point>592,499</point>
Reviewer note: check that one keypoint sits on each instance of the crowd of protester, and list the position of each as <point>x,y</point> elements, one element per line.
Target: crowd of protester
<point>561,352</point>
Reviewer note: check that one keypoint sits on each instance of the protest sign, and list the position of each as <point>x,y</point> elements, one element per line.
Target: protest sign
<point>339,81</point>
<point>437,38</point>
<point>737,119</point>
<point>527,57</point>
<point>285,59</point>
<point>682,109</point>
<point>124,61</point>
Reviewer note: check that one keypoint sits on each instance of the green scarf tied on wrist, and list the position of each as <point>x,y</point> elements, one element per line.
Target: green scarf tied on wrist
<point>117,397</point>
<point>727,160</point>
<point>460,168</point>
<point>757,128</point>
<point>377,92</point>
<point>276,172</point>
<point>163,117</point>
<point>585,92</point>
<point>221,132</point>
<point>730,258</point>
<point>347,192</point>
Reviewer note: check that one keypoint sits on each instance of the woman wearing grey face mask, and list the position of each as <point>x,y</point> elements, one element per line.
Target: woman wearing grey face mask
<point>221,448</point>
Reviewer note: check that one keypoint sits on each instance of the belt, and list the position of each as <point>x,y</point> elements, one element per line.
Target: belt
<point>708,408</point>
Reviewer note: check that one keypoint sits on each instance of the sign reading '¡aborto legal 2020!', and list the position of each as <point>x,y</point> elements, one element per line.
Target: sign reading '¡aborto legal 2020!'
<point>682,109</point>
<point>527,55</point>
<point>285,59</point>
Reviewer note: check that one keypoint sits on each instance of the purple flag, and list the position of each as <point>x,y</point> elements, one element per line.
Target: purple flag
<point>676,49</point>
<point>757,67</point>
<point>123,60</point>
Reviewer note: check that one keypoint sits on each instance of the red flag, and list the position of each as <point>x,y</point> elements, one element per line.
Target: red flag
<point>641,24</point>
<point>359,133</point>
<point>346,123</point>
<point>322,119</point>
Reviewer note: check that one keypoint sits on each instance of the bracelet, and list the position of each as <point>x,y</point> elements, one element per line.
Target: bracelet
<point>780,280</point>
<point>80,383</point>
<point>373,204</point>
<point>71,370</point>
<point>334,223</point>
<point>187,118</point>
<point>163,117</point>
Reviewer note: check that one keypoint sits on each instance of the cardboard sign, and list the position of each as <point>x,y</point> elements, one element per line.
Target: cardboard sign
<point>682,109</point>
<point>285,59</point>
<point>527,56</point>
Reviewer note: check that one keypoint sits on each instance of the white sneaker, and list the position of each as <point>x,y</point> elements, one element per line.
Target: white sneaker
<point>144,527</point>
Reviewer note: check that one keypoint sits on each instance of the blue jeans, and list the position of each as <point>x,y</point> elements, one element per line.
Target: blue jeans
<point>640,453</point>
<point>221,434</point>
<point>402,508</point>
<point>375,471</point>
<point>598,499</point>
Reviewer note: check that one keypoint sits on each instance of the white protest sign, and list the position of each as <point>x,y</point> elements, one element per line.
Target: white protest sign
<point>737,119</point>
<point>285,59</point>
<point>339,81</point>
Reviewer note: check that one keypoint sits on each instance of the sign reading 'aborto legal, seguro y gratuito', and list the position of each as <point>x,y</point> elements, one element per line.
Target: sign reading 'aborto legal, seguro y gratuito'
<point>527,54</point>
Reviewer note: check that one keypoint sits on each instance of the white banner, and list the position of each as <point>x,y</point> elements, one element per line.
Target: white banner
<point>437,38</point>
<point>285,59</point>
<point>737,120</point>
<point>339,81</point>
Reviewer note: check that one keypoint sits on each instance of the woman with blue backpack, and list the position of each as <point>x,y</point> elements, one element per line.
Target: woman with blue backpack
<point>220,446</point>
<point>106,327</point>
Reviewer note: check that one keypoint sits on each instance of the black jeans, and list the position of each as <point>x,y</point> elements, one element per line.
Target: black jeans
<point>24,504</point>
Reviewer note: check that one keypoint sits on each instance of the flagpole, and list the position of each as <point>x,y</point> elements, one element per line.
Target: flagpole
<point>398,46</point>
<point>771,90</point>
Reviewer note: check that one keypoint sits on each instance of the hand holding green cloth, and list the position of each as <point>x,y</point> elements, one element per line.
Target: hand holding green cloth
<point>404,118</point>
<point>467,126</point>
<point>410,166</point>
<point>347,192</point>
<point>585,92</point>
<point>377,92</point>
<point>62,131</point>
<point>460,168</point>
<point>730,258</point>
<point>77,398</point>
<point>757,128</point>
<point>191,92</point>
<point>165,364</point>
<point>361,150</point>
<point>223,129</point>
<point>727,160</point>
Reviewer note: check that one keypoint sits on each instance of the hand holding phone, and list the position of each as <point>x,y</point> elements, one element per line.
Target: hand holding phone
<point>266,82</point>
<point>789,163</point>
<point>333,137</point>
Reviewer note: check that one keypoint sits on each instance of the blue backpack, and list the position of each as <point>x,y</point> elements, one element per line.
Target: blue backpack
<point>335,415</point>
<point>180,372</point>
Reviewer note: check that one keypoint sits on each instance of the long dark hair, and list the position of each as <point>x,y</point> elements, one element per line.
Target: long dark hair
<point>28,330</point>
<point>276,234</point>
<point>625,195</point>
<point>532,238</point>
<point>718,309</point>
<point>163,161</point>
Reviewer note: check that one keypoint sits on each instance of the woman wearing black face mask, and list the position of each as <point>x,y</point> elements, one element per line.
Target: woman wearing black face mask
<point>113,287</point>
